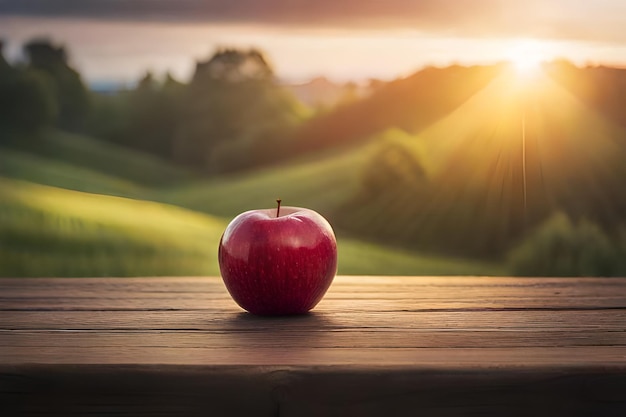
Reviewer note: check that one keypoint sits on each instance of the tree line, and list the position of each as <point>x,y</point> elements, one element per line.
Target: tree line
<point>231,115</point>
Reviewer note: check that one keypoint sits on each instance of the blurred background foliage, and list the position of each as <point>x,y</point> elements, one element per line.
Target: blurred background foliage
<point>560,247</point>
<point>456,170</point>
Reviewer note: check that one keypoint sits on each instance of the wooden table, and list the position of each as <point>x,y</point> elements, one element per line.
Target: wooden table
<point>432,346</point>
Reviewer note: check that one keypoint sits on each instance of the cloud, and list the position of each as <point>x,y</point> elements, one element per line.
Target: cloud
<point>447,14</point>
<point>548,18</point>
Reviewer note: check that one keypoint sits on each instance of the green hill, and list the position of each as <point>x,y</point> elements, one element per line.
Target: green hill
<point>32,167</point>
<point>103,158</point>
<point>410,103</point>
<point>322,182</point>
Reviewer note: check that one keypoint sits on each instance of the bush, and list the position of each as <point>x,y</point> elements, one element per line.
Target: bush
<point>560,247</point>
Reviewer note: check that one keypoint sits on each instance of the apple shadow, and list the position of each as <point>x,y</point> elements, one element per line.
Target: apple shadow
<point>312,320</point>
<point>280,338</point>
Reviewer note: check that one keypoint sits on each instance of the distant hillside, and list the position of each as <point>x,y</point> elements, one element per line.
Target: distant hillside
<point>411,104</point>
<point>603,88</point>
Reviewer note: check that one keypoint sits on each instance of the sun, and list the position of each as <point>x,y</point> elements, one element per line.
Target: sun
<point>526,64</point>
<point>526,57</point>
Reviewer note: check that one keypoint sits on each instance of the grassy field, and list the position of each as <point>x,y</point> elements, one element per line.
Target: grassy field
<point>362,258</point>
<point>48,231</point>
<point>55,232</point>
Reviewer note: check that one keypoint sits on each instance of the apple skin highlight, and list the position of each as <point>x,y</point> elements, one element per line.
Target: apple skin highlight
<point>278,265</point>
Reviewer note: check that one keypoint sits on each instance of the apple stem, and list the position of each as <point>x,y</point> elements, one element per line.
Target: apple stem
<point>278,208</point>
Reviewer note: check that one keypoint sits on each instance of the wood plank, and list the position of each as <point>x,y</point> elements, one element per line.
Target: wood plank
<point>398,294</point>
<point>328,304</point>
<point>342,284</point>
<point>321,319</point>
<point>461,359</point>
<point>293,339</point>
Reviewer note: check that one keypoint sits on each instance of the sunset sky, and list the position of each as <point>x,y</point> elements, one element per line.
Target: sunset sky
<point>119,40</point>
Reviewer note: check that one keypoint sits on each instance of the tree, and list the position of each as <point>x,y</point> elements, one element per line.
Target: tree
<point>71,94</point>
<point>561,247</point>
<point>232,105</point>
<point>29,104</point>
<point>27,99</point>
<point>233,65</point>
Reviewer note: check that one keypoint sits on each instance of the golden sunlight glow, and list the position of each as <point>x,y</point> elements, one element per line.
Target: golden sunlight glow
<point>526,57</point>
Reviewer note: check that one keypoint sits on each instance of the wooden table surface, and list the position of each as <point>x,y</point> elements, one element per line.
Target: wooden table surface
<point>374,346</point>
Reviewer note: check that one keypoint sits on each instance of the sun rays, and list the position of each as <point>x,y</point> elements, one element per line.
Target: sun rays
<point>510,155</point>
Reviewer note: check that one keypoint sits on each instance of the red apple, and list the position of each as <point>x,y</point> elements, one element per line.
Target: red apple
<point>278,261</point>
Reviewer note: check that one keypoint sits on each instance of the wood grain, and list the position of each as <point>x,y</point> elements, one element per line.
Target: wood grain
<point>374,346</point>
